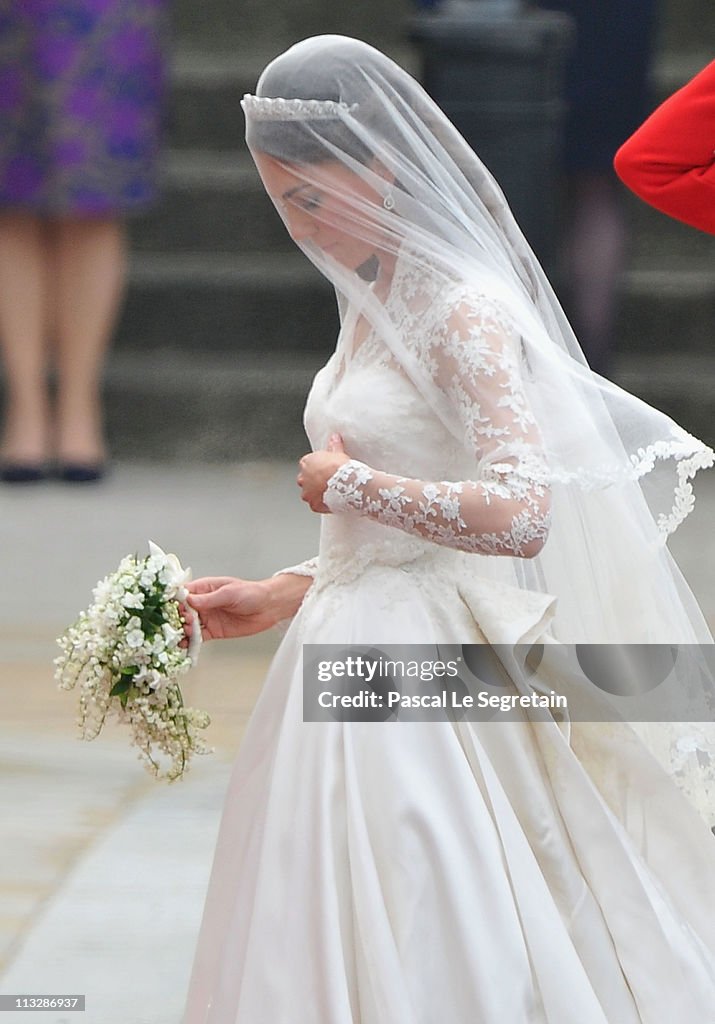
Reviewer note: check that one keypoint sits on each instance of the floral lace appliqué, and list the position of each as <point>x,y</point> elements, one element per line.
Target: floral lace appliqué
<point>502,516</point>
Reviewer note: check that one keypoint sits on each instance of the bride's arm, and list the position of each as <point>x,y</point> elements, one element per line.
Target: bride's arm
<point>505,509</point>
<point>507,515</point>
<point>229,607</point>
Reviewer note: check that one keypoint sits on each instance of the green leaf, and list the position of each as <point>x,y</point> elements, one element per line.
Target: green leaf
<point>130,694</point>
<point>122,687</point>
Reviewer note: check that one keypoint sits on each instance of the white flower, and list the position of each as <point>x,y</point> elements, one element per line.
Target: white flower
<point>171,573</point>
<point>109,639</point>
<point>102,591</point>
<point>149,676</point>
<point>171,635</point>
<point>158,644</point>
<point>134,638</point>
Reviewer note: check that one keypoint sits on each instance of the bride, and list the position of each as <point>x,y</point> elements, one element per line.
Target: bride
<point>478,484</point>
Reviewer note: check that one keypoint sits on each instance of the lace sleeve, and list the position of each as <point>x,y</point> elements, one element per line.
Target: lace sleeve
<point>505,509</point>
<point>307,568</point>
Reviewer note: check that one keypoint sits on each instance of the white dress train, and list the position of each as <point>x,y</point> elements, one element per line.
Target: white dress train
<point>408,873</point>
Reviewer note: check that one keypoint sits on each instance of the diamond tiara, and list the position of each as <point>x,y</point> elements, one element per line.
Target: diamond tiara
<point>266,108</point>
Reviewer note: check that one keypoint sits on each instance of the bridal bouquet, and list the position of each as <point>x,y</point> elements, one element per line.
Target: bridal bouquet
<point>125,653</point>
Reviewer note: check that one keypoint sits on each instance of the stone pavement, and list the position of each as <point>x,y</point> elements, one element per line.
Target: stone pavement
<point>102,869</point>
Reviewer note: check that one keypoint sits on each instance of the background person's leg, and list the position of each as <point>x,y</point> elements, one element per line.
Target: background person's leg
<point>24,314</point>
<point>89,259</point>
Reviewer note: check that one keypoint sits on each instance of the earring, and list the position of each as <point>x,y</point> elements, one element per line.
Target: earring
<point>389,201</point>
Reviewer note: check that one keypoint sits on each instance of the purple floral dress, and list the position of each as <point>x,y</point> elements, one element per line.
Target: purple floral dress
<point>81,104</point>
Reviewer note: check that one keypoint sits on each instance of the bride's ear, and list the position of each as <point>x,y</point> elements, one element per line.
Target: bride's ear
<point>381,170</point>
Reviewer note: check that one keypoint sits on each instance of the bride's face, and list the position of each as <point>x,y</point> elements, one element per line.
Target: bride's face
<point>322,210</point>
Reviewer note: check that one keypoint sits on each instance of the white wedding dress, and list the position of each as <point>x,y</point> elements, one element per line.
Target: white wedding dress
<point>472,873</point>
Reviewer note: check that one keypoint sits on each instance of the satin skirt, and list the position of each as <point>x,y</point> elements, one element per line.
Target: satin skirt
<point>476,873</point>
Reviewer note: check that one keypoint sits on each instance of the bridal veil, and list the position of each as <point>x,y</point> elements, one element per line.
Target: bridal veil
<point>375,158</point>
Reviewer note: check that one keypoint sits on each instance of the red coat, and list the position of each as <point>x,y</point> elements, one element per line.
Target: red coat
<point>670,160</point>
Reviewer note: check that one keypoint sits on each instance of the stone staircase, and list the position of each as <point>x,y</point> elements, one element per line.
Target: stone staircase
<point>226,322</point>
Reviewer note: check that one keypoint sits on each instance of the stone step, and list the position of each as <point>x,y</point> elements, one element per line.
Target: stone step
<point>212,202</point>
<point>677,383</point>
<point>227,302</point>
<point>172,405</point>
<point>658,241</point>
<point>224,25</point>
<point>224,302</point>
<point>675,67</point>
<point>664,311</point>
<point>213,407</point>
<point>686,24</point>
<point>205,97</point>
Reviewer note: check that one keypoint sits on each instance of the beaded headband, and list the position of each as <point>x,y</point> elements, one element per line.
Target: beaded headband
<point>266,108</point>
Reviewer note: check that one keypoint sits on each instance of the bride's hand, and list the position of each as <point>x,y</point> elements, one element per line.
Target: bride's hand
<point>229,607</point>
<point>316,469</point>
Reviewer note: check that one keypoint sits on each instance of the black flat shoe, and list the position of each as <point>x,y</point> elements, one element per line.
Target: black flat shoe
<point>23,473</point>
<point>81,472</point>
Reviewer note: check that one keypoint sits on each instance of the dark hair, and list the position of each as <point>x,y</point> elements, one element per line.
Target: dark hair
<point>299,142</point>
<point>308,141</point>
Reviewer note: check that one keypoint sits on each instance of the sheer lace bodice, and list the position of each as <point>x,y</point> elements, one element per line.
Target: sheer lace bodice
<point>408,472</point>
<point>413,495</point>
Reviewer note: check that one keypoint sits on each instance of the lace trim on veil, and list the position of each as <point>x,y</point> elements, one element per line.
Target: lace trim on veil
<point>684,503</point>
<point>689,458</point>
